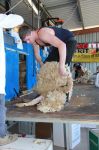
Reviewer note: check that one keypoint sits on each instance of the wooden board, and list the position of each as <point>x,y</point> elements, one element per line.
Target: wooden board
<point>83,108</point>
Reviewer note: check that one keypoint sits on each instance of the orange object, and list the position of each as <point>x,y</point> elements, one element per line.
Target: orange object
<point>59,21</point>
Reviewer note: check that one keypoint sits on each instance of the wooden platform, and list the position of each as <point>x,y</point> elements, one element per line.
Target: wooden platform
<point>83,108</point>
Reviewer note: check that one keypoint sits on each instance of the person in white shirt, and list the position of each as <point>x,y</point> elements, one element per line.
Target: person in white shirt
<point>97,78</point>
<point>6,21</point>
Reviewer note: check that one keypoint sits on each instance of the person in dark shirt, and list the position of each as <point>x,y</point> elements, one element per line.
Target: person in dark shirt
<point>77,67</point>
<point>62,42</point>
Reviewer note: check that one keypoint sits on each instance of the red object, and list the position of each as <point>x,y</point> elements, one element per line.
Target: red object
<point>82,45</point>
<point>59,21</point>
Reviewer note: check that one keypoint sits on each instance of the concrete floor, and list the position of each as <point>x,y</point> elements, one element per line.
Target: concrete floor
<point>84,144</point>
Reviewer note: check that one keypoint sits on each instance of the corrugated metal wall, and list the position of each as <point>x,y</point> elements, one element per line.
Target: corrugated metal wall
<point>89,38</point>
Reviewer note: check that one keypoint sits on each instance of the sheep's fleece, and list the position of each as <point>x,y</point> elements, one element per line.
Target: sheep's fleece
<point>53,87</point>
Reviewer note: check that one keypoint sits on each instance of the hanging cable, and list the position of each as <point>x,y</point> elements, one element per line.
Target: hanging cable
<point>8,5</point>
<point>13,7</point>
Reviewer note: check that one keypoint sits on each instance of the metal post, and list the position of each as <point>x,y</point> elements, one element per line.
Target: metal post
<point>66,136</point>
<point>38,25</point>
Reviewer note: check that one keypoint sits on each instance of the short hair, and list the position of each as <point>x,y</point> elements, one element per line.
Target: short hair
<point>23,31</point>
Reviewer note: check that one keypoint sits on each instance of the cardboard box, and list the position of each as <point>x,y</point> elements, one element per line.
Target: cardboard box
<point>43,130</point>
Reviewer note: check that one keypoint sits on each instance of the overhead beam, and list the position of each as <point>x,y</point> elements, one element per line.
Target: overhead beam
<point>80,12</point>
<point>86,31</point>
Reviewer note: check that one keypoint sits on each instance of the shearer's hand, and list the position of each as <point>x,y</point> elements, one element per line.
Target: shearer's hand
<point>62,71</point>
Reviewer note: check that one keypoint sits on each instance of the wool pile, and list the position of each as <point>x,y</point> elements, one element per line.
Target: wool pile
<point>53,87</point>
<point>86,77</point>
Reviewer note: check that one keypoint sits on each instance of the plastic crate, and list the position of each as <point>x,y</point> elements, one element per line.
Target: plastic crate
<point>94,139</point>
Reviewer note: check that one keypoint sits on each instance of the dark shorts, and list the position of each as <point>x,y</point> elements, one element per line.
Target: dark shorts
<point>54,54</point>
<point>71,48</point>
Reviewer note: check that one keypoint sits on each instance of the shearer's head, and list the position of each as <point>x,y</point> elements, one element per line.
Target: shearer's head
<point>26,34</point>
